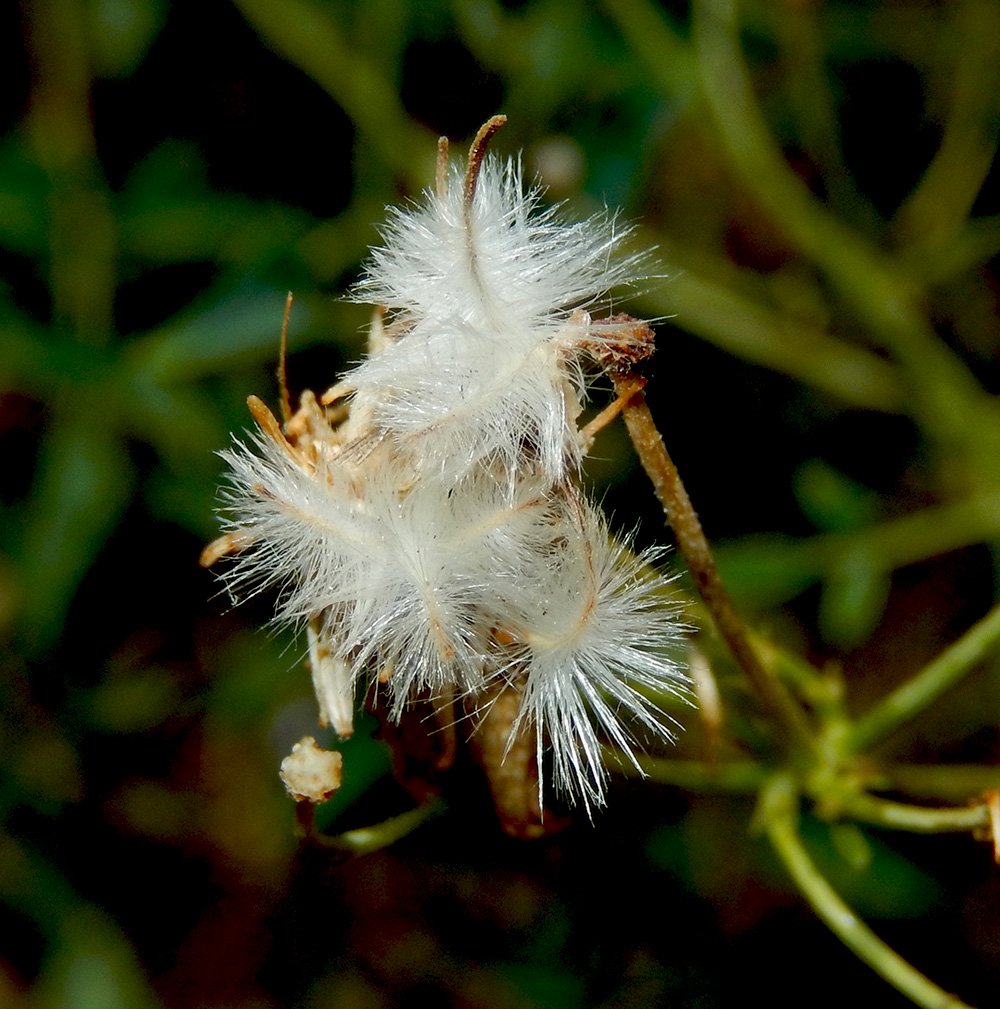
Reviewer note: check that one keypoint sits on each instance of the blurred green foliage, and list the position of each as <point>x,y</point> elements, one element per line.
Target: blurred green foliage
<point>818,178</point>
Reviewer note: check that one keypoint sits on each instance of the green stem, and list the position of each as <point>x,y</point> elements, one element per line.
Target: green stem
<point>778,813</point>
<point>886,546</point>
<point>917,819</point>
<point>942,782</point>
<point>694,775</point>
<point>797,30</point>
<point>973,245</point>
<point>822,690</point>
<point>363,840</point>
<point>907,701</point>
<point>717,302</point>
<point>937,209</point>
<point>668,56</point>
<point>744,776</point>
<point>82,229</point>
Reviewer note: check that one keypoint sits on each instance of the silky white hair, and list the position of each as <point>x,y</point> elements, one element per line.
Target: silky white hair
<point>437,542</point>
<point>489,363</point>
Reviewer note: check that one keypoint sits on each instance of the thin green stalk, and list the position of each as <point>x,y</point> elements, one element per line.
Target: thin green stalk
<point>941,782</point>
<point>778,815</point>
<point>363,840</point>
<point>936,210</point>
<point>886,546</point>
<point>82,238</point>
<point>917,819</point>
<point>975,244</point>
<point>667,54</point>
<point>797,30</point>
<point>705,298</point>
<point>821,690</point>
<point>907,701</point>
<point>694,775</point>
<point>746,776</point>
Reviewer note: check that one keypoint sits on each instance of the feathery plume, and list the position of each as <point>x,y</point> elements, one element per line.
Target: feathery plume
<point>431,537</point>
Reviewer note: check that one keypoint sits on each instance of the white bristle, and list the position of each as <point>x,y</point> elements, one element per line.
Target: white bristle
<point>437,541</point>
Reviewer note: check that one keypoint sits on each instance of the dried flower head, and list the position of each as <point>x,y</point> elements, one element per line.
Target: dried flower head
<point>433,538</point>
<point>311,774</point>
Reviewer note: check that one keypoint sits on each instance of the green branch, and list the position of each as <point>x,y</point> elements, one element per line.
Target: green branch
<point>705,298</point>
<point>941,782</point>
<point>886,546</point>
<point>778,814</point>
<point>693,775</point>
<point>908,700</point>
<point>937,209</point>
<point>82,230</point>
<point>916,819</point>
<point>364,840</point>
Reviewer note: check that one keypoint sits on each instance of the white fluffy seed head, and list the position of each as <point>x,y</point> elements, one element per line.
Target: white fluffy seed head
<point>596,631</point>
<point>504,265</point>
<point>454,402</point>
<point>401,571</point>
<point>487,363</point>
<point>436,542</point>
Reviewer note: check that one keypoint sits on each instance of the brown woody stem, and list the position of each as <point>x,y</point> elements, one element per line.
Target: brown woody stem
<point>787,715</point>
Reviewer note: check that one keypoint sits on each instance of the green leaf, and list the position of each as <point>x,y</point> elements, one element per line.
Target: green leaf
<point>854,597</point>
<point>24,191</point>
<point>850,843</point>
<point>180,423</point>
<point>547,985</point>
<point>84,483</point>
<point>168,214</point>
<point>28,359</point>
<point>768,570</point>
<point>121,31</point>
<point>832,501</point>
<point>93,967</point>
<point>242,328</point>
<point>366,761</point>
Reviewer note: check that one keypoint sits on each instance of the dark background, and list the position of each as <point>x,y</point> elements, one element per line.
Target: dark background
<point>167,172</point>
